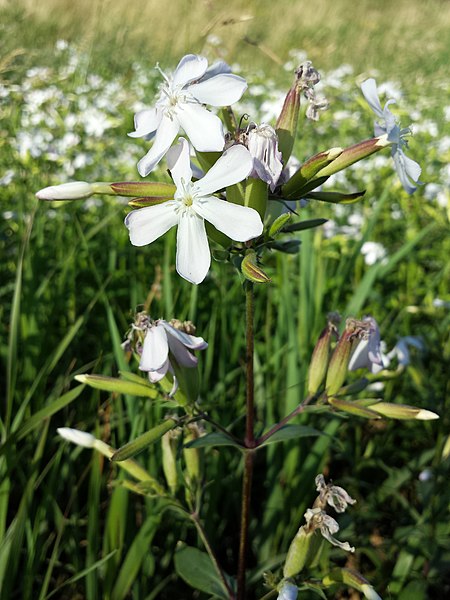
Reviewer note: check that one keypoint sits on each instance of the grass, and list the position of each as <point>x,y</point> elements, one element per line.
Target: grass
<point>70,282</point>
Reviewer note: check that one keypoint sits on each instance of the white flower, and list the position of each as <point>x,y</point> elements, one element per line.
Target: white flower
<point>160,340</point>
<point>407,169</point>
<point>316,518</point>
<point>262,143</point>
<point>373,252</point>
<point>334,495</point>
<point>288,591</point>
<point>401,350</point>
<point>80,438</point>
<point>367,353</point>
<point>180,104</point>
<point>192,204</point>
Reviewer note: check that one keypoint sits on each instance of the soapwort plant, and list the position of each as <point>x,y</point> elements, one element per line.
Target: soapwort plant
<point>233,188</point>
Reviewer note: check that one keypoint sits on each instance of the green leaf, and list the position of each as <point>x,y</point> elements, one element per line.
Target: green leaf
<point>288,247</point>
<point>120,386</point>
<point>279,223</point>
<point>197,570</point>
<point>289,432</point>
<point>213,439</point>
<point>336,197</point>
<point>302,225</point>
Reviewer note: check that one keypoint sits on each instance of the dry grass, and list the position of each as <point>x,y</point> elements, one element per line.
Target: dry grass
<point>400,36</point>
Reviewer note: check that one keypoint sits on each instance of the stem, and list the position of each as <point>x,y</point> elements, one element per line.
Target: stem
<point>285,420</point>
<point>249,439</point>
<point>212,556</point>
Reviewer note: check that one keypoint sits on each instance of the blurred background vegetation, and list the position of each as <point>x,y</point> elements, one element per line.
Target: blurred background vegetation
<point>70,283</point>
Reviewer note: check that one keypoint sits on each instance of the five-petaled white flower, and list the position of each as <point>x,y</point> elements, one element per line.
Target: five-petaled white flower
<point>162,340</point>
<point>407,169</point>
<point>367,354</point>
<point>180,104</point>
<point>192,203</point>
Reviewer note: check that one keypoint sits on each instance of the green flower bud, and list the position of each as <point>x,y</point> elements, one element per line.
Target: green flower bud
<point>353,154</point>
<point>320,358</point>
<point>353,579</point>
<point>302,551</point>
<point>169,463</point>
<point>251,270</point>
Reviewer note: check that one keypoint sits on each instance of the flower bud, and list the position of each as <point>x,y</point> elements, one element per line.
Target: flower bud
<point>192,456</point>
<point>76,190</point>
<point>287,591</point>
<point>353,579</point>
<point>302,551</point>
<point>286,126</point>
<point>251,270</point>
<point>169,463</point>
<point>294,188</point>
<point>337,370</point>
<point>143,441</point>
<point>402,411</point>
<point>320,358</point>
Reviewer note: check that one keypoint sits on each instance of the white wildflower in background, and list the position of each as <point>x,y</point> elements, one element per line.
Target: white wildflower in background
<point>180,105</point>
<point>373,252</point>
<point>192,204</point>
<point>401,350</point>
<point>407,169</point>
<point>367,354</point>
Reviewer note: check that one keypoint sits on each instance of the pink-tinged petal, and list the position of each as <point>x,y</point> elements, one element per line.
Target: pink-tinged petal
<point>166,133</point>
<point>369,89</point>
<point>240,223</point>
<point>204,130</point>
<point>190,68</point>
<point>155,349</point>
<point>181,354</point>
<point>179,163</point>
<point>149,223</point>
<point>221,90</point>
<point>145,122</point>
<point>158,374</point>
<point>233,166</point>
<point>190,341</point>
<point>193,256</point>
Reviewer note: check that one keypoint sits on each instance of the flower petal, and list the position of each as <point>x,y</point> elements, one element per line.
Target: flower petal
<point>158,374</point>
<point>193,256</point>
<point>221,90</point>
<point>190,68</point>
<point>181,354</point>
<point>167,130</point>
<point>204,130</point>
<point>217,68</point>
<point>179,163</point>
<point>145,121</point>
<point>406,168</point>
<point>190,341</point>
<point>369,90</point>
<point>240,223</point>
<point>233,166</point>
<point>149,223</point>
<point>155,349</point>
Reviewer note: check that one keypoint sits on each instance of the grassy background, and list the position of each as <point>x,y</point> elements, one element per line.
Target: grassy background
<point>70,281</point>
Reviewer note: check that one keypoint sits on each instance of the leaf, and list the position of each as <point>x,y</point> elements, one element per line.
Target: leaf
<point>119,386</point>
<point>288,247</point>
<point>197,570</point>
<point>302,225</point>
<point>213,439</point>
<point>336,197</point>
<point>279,223</point>
<point>289,432</point>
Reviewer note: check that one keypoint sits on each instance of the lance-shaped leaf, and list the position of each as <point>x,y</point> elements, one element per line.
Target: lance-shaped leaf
<point>403,411</point>
<point>197,570</point>
<point>288,247</point>
<point>353,154</point>
<point>119,386</point>
<point>279,223</point>
<point>290,432</point>
<point>302,225</point>
<point>353,408</point>
<point>144,189</point>
<point>308,170</point>
<point>143,441</point>
<point>336,197</point>
<point>213,439</point>
<point>251,270</point>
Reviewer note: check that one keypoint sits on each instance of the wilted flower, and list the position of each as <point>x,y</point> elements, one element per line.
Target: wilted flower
<point>192,204</point>
<point>407,169</point>
<point>262,143</point>
<point>367,354</point>
<point>333,495</point>
<point>180,104</point>
<point>316,518</point>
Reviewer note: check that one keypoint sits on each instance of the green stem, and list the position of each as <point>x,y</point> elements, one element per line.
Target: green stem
<point>249,440</point>
<point>212,556</point>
